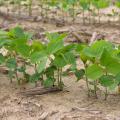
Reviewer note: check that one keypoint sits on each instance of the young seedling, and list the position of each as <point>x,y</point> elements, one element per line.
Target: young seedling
<point>85,4</point>
<point>100,4</point>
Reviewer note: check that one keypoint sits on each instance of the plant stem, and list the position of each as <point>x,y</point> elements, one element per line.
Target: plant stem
<point>73,13</point>
<point>83,17</point>
<point>95,88</point>
<point>89,17</point>
<point>46,9</point>
<point>106,93</point>
<point>106,90</point>
<point>60,75</point>
<point>58,72</point>
<point>16,74</point>
<point>41,10</point>
<point>99,15</point>
<point>87,83</point>
<point>30,7</point>
<point>11,80</point>
<point>36,72</point>
<point>19,8</point>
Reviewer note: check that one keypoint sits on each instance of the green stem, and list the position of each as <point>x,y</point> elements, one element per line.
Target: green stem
<point>106,90</point>
<point>95,88</point>
<point>73,13</point>
<point>16,74</point>
<point>83,17</point>
<point>58,76</point>
<point>46,10</point>
<point>87,82</point>
<point>106,93</point>
<point>99,16</point>
<point>30,7</point>
<point>11,80</point>
<point>89,17</point>
<point>19,9</point>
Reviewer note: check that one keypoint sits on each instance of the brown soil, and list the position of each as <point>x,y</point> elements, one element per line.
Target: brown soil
<point>70,104</point>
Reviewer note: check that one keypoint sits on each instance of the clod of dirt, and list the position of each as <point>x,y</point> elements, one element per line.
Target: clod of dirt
<point>37,19</point>
<point>60,23</point>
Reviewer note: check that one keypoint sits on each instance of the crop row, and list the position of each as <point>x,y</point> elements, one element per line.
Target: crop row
<point>67,7</point>
<point>101,61</point>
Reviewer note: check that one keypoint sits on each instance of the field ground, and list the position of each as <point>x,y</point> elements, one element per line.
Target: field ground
<point>72,103</point>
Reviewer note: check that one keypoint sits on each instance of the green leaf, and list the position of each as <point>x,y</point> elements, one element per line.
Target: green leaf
<point>67,48</point>
<point>37,56</point>
<point>50,71</point>
<point>35,77</point>
<point>111,64</point>
<point>84,4</point>
<point>107,80</point>
<point>117,3</point>
<point>21,69</point>
<point>11,63</point>
<point>53,47</point>
<point>97,48</point>
<point>23,50</point>
<point>37,46</point>
<point>55,42</point>
<point>79,74</point>
<point>117,78</point>
<point>80,47</point>
<point>69,58</point>
<point>49,82</point>
<point>2,59</point>
<point>42,65</point>
<point>53,37</point>
<point>94,72</point>
<point>59,61</point>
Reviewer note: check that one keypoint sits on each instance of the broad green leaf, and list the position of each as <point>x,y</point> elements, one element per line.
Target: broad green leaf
<point>107,80</point>
<point>117,3</point>
<point>84,4</point>
<point>79,74</point>
<point>117,78</point>
<point>2,59</point>
<point>97,48</point>
<point>49,82</point>
<point>94,72</point>
<point>21,69</point>
<point>11,63</point>
<point>37,46</point>
<point>111,64</point>
<point>23,49</point>
<point>67,48</point>
<point>50,71</point>
<point>35,77</point>
<point>42,65</point>
<point>53,47</point>
<point>37,56</point>
<point>80,47</point>
<point>69,58</point>
<point>53,37</point>
<point>59,61</point>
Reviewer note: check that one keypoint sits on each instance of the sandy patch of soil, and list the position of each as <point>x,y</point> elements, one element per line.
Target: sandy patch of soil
<point>70,104</point>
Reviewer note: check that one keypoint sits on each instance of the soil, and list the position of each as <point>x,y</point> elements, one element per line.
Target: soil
<point>70,104</point>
